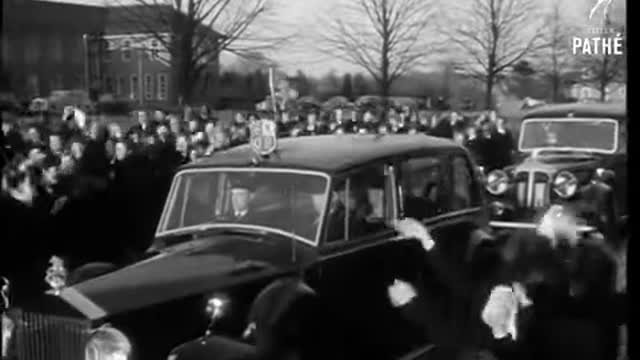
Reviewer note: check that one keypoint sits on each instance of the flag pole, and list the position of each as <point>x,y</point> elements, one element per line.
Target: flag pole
<point>273,92</point>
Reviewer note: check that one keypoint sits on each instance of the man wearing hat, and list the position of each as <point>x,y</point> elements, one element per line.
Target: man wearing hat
<point>241,196</point>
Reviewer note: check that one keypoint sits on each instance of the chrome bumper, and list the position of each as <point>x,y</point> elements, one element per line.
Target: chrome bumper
<point>533,226</point>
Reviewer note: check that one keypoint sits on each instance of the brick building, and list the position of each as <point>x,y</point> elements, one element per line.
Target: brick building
<point>111,50</point>
<point>42,45</point>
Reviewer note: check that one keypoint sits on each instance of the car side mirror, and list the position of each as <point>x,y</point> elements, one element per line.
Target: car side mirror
<point>605,175</point>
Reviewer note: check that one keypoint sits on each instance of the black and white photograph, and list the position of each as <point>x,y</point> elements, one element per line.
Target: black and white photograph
<point>313,180</point>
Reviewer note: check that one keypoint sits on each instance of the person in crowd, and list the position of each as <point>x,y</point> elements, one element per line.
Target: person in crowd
<point>134,137</point>
<point>164,134</point>
<point>34,137</point>
<point>14,142</point>
<point>187,114</point>
<point>121,152</point>
<point>488,147</point>
<point>505,142</point>
<point>183,149</point>
<point>205,114</point>
<point>115,132</point>
<point>56,145</point>
<point>144,125</point>
<point>159,116</point>
<point>240,130</point>
<point>312,125</point>
<point>175,125</point>
<point>194,127</point>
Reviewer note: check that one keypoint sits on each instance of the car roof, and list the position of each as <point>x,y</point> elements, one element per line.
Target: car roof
<point>329,153</point>
<point>614,111</point>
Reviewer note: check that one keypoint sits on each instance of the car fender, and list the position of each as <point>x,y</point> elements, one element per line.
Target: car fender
<point>274,302</point>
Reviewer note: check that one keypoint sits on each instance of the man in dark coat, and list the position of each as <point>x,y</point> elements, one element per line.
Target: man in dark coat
<point>24,234</point>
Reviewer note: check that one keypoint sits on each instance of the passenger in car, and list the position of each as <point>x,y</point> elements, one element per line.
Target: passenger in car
<point>340,209</point>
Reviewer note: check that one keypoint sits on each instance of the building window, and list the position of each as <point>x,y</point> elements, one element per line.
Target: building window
<point>126,51</point>
<point>163,84</point>
<point>148,87</point>
<point>585,93</point>
<point>108,84</point>
<point>31,49</point>
<point>154,50</point>
<point>106,51</point>
<point>120,85</point>
<point>33,85</point>
<point>57,52</point>
<point>134,87</point>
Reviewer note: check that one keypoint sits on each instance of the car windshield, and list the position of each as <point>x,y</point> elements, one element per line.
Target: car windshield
<point>598,135</point>
<point>285,201</point>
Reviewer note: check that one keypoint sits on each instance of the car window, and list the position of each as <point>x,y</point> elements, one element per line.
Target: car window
<point>422,187</point>
<point>286,201</point>
<point>464,192</point>
<point>358,205</point>
<point>196,201</point>
<point>622,137</point>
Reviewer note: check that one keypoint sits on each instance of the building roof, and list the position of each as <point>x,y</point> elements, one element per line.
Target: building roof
<point>330,153</point>
<point>608,110</point>
<point>156,18</point>
<point>139,19</point>
<point>28,15</point>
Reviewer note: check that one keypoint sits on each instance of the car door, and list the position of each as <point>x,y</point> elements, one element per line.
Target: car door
<point>351,274</point>
<point>456,209</point>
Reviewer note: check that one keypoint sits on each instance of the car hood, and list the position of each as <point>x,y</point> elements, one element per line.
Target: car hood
<point>185,270</point>
<point>554,162</point>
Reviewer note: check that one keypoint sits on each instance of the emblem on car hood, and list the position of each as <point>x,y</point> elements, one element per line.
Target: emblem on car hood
<point>56,275</point>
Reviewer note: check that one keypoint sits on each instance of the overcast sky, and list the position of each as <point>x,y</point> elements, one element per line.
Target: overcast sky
<point>305,18</point>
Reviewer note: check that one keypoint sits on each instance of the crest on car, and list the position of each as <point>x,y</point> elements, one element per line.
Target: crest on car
<point>56,275</point>
<point>264,139</point>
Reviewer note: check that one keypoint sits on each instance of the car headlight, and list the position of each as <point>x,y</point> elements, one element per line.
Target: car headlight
<point>565,184</point>
<point>497,182</point>
<point>108,343</point>
<point>7,332</point>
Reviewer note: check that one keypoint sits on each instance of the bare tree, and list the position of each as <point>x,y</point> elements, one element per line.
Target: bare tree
<point>492,36</point>
<point>602,70</point>
<point>557,59</point>
<point>386,38</point>
<point>196,32</point>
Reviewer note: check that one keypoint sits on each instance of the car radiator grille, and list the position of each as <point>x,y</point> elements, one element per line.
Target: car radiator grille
<point>46,337</point>
<point>532,189</point>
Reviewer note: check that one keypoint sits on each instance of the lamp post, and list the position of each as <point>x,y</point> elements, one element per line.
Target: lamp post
<point>85,41</point>
<point>140,51</point>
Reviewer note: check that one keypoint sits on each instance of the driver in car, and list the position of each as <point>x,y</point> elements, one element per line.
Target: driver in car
<point>241,195</point>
